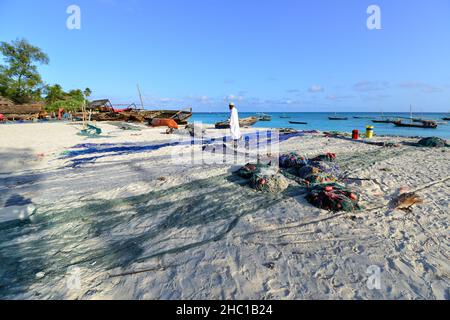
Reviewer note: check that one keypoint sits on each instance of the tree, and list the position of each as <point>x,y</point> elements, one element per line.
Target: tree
<point>87,92</point>
<point>20,79</point>
<point>54,93</point>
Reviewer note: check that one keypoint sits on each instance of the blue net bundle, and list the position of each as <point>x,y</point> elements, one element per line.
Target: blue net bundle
<point>292,160</point>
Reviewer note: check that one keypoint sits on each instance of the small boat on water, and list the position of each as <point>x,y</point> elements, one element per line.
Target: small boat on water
<point>246,122</point>
<point>284,116</point>
<point>426,124</point>
<point>297,122</point>
<point>337,118</point>
<point>446,119</point>
<point>383,121</point>
<point>264,117</point>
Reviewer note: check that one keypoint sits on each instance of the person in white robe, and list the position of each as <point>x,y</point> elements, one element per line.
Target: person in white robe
<point>234,123</point>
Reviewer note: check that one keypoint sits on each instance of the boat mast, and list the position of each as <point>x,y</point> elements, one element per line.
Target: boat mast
<point>140,96</point>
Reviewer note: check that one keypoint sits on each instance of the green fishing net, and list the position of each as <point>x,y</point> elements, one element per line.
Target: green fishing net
<point>433,142</point>
<point>333,197</point>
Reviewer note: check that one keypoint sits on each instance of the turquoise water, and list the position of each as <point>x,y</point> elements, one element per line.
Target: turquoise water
<point>319,121</point>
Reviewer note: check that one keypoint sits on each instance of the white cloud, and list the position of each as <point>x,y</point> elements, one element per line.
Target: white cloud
<point>315,88</point>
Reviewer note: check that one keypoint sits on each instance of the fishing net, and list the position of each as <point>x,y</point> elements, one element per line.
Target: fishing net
<point>250,169</point>
<point>333,197</point>
<point>433,142</point>
<point>268,180</point>
<point>325,157</point>
<point>263,177</point>
<point>292,160</point>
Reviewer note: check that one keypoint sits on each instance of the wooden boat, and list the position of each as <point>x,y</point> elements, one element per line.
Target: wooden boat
<point>297,122</point>
<point>383,121</point>
<point>426,124</point>
<point>246,122</point>
<point>337,118</point>
<point>264,117</point>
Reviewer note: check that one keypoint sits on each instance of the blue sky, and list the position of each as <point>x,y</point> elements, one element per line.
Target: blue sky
<point>284,55</point>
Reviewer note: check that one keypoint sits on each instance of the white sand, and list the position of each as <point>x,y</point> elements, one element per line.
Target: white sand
<point>197,234</point>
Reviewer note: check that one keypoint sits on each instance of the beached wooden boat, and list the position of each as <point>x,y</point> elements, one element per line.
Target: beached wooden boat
<point>105,111</point>
<point>246,122</point>
<point>264,117</point>
<point>298,122</point>
<point>426,124</point>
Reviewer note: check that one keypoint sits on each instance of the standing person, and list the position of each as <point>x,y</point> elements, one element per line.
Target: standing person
<point>234,123</point>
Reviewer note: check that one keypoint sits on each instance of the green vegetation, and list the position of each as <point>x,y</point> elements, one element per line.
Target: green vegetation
<point>21,82</point>
<point>70,101</point>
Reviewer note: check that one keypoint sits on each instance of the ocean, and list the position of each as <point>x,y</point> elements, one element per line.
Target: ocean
<point>320,121</point>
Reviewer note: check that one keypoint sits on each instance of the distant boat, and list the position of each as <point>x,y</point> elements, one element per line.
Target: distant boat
<point>426,124</point>
<point>446,119</point>
<point>359,117</point>
<point>297,122</point>
<point>246,122</point>
<point>284,116</point>
<point>264,117</point>
<point>383,121</point>
<point>338,118</point>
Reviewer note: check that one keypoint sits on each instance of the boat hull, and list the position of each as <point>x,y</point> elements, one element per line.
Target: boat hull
<point>246,122</point>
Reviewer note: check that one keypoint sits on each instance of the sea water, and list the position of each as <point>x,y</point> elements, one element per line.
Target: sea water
<point>320,121</point>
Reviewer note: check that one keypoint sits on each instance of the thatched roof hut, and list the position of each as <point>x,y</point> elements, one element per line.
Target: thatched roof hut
<point>5,102</point>
<point>8,107</point>
<point>103,104</point>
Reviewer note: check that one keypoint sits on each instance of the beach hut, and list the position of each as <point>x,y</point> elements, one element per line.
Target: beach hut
<point>13,111</point>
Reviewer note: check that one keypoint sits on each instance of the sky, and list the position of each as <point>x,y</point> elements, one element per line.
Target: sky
<point>264,55</point>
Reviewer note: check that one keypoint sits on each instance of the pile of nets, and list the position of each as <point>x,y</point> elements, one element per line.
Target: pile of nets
<point>325,157</point>
<point>433,142</point>
<point>263,177</point>
<point>333,197</point>
<point>318,175</point>
<point>310,171</point>
<point>314,175</point>
<point>292,160</point>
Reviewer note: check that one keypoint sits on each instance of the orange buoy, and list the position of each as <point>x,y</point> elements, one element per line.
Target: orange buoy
<point>164,123</point>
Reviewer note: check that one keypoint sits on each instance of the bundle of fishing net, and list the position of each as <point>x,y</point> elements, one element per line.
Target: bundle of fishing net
<point>268,179</point>
<point>333,197</point>
<point>250,169</point>
<point>314,175</point>
<point>325,157</point>
<point>433,142</point>
<point>327,167</point>
<point>292,160</point>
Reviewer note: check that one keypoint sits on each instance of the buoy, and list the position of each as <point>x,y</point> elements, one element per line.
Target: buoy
<point>355,134</point>
<point>369,132</point>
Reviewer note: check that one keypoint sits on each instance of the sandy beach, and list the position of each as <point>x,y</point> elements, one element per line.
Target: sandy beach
<point>122,220</point>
